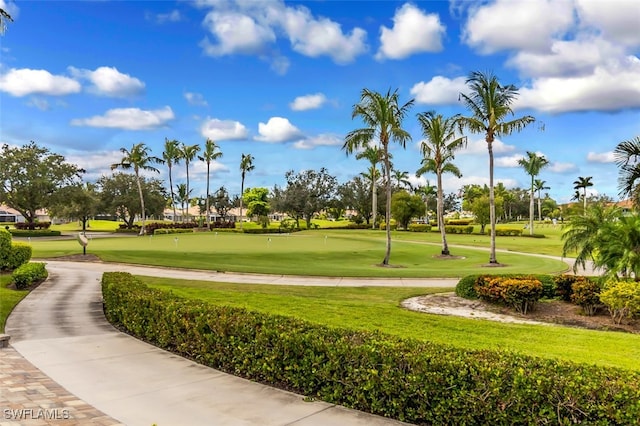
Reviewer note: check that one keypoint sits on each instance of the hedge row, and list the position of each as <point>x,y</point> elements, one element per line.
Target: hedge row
<point>28,274</point>
<point>508,232</point>
<point>418,227</point>
<point>32,226</point>
<point>466,286</point>
<point>458,229</point>
<point>409,380</point>
<point>12,254</point>
<point>521,293</point>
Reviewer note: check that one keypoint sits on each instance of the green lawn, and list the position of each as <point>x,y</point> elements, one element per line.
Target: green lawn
<point>372,308</point>
<point>8,299</point>
<point>321,253</point>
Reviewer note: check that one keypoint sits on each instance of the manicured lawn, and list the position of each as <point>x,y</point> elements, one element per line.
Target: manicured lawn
<point>327,253</point>
<point>8,298</point>
<point>376,308</point>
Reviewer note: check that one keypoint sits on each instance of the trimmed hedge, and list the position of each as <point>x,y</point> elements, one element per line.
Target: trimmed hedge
<point>508,232</point>
<point>419,227</point>
<point>520,293</point>
<point>455,229</point>
<point>465,287</point>
<point>28,274</point>
<point>24,233</point>
<point>405,379</point>
<point>12,254</point>
<point>32,226</point>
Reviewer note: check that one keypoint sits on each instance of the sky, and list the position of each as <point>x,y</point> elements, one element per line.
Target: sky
<point>279,79</point>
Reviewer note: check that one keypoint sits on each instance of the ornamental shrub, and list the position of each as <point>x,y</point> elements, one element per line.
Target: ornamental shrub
<point>586,294</point>
<point>28,274</point>
<point>520,293</point>
<point>622,298</point>
<point>19,254</point>
<point>419,227</point>
<point>465,287</point>
<point>563,285</point>
<point>458,229</point>
<point>5,247</point>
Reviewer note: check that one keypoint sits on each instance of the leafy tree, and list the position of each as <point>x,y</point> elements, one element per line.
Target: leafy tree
<point>490,104</point>
<point>171,156</point>
<point>539,186</point>
<point>76,201</point>
<point>257,201</point>
<point>619,252</point>
<point>31,175</point>
<point>481,208</point>
<point>438,150</point>
<point>382,116</point>
<point>627,155</point>
<point>183,197</point>
<point>117,194</point>
<point>188,153</point>
<point>355,195</point>
<point>221,202</point>
<point>246,165</point>
<point>532,165</point>
<point>211,153</point>
<point>374,156</point>
<point>138,158</point>
<point>451,202</point>
<point>583,183</point>
<point>401,178</point>
<point>427,192</point>
<point>405,207</point>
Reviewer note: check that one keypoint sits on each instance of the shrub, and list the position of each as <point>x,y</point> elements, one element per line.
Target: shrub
<point>383,226</point>
<point>586,294</point>
<point>508,232</point>
<point>458,222</point>
<point>5,247</point>
<point>622,298</point>
<point>520,293</point>
<point>563,285</point>
<point>419,227</point>
<point>32,226</point>
<point>405,379</point>
<point>455,229</point>
<point>19,254</point>
<point>165,231</point>
<point>34,233</point>
<point>28,274</point>
<point>465,287</point>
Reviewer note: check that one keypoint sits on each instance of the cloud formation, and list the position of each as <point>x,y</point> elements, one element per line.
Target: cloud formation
<point>324,139</point>
<point>128,119</point>
<point>439,90</point>
<point>108,81</point>
<point>276,130</point>
<point>601,157</point>
<point>307,102</point>
<point>195,99</point>
<point>223,130</point>
<point>25,81</point>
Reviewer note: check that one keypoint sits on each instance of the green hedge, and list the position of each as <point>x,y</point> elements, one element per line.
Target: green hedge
<point>465,287</point>
<point>28,274</point>
<point>409,380</point>
<point>508,232</point>
<point>419,227</point>
<point>458,229</point>
<point>12,254</point>
<point>24,233</point>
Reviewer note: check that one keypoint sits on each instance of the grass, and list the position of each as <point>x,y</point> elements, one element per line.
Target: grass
<point>320,253</point>
<point>8,298</point>
<point>377,308</point>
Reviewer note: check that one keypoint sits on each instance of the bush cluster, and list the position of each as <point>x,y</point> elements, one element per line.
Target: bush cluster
<point>151,228</point>
<point>520,293</point>
<point>32,226</point>
<point>508,232</point>
<point>223,224</point>
<point>419,227</point>
<point>28,274</point>
<point>458,229</point>
<point>383,226</point>
<point>12,254</point>
<point>404,379</point>
<point>586,294</point>
<point>455,222</point>
<point>24,233</point>
<point>622,297</point>
<point>266,231</point>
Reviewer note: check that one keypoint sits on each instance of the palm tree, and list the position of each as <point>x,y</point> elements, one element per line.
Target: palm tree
<point>438,150</point>
<point>627,155</point>
<point>374,155</point>
<point>188,153</point>
<point>171,156</point>
<point>490,103</point>
<point>246,165</point>
<point>583,183</point>
<point>619,250</point>
<point>401,178</point>
<point>539,185</point>
<point>426,192</point>
<point>139,159</point>
<point>4,17</point>
<point>382,116</point>
<point>211,153</point>
<point>532,165</point>
<point>183,197</point>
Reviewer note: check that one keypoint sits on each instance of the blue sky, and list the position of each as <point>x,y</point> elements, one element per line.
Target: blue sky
<point>279,80</point>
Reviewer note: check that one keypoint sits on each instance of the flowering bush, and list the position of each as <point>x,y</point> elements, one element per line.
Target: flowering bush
<point>520,293</point>
<point>622,298</point>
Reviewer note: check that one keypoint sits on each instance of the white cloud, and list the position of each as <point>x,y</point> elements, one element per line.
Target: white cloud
<point>128,119</point>
<point>25,81</point>
<point>479,146</point>
<point>223,130</point>
<point>562,168</point>
<point>236,33</point>
<point>509,161</point>
<point>173,16</point>
<point>279,64</point>
<point>277,129</point>
<point>306,102</point>
<point>505,24</point>
<point>40,103</point>
<point>616,20</point>
<point>195,99</point>
<point>413,32</point>
<point>108,81</point>
<point>439,90</point>
<point>601,157</point>
<point>324,139</point>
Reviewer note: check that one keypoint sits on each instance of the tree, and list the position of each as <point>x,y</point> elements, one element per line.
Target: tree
<point>4,17</point>
<point>481,208</point>
<point>532,165</point>
<point>438,150</point>
<point>355,195</point>
<point>583,183</point>
<point>221,202</point>
<point>401,178</point>
<point>257,202</point>
<point>246,165</point>
<point>188,153</point>
<point>374,156</point>
<point>211,153</point>
<point>490,104</point>
<point>619,251</point>
<point>539,185</point>
<point>405,207</point>
<point>382,116</point>
<point>182,197</point>
<point>171,156</point>
<point>118,196</point>
<point>627,156</point>
<point>31,175</point>
<point>427,192</point>
<point>76,201</point>
<point>138,158</point>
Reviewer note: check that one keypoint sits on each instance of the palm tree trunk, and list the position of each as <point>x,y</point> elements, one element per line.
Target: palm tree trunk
<point>531,207</point>
<point>387,167</point>
<point>374,201</point>
<point>584,198</point>
<point>141,202</point>
<point>492,206</point>
<point>173,196</point>
<point>440,207</point>
<point>188,201</point>
<point>539,209</point>
<point>241,192</point>
<point>208,215</point>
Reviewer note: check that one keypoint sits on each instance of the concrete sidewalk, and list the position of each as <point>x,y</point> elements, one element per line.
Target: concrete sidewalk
<point>60,328</point>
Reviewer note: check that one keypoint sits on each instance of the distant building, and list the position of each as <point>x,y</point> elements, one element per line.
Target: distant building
<point>9,215</point>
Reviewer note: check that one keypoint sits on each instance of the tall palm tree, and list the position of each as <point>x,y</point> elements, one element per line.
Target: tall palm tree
<point>438,150</point>
<point>401,178</point>
<point>138,158</point>
<point>583,183</point>
<point>627,155</point>
<point>188,153</point>
<point>539,186</point>
<point>246,165</point>
<point>382,116</point>
<point>532,164</point>
<point>211,153</point>
<point>426,192</point>
<point>183,197</point>
<point>171,156</point>
<point>490,104</point>
<point>374,156</point>
<point>619,250</point>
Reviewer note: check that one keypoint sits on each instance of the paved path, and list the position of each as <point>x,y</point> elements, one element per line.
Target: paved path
<point>60,328</point>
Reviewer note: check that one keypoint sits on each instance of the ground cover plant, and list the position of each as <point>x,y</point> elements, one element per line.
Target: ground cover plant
<point>330,253</point>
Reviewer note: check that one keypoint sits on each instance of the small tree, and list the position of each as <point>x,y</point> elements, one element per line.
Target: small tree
<point>405,207</point>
